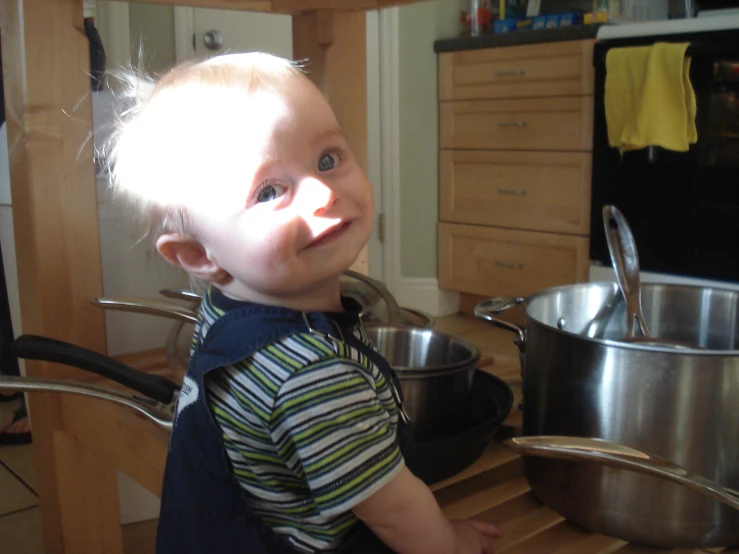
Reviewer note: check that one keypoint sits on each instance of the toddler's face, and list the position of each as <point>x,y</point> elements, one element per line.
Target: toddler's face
<point>301,208</point>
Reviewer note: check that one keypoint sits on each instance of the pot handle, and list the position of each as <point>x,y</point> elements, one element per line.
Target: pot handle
<point>582,449</point>
<point>188,295</point>
<point>148,306</point>
<point>32,347</point>
<point>488,309</point>
<point>160,414</point>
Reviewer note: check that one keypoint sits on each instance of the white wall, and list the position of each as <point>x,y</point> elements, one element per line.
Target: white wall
<point>419,26</point>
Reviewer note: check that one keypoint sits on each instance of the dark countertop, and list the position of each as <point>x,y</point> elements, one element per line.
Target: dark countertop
<point>575,32</point>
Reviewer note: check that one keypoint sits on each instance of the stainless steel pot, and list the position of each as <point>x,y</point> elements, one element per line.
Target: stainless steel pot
<point>436,371</point>
<point>675,409</point>
<point>179,338</point>
<point>378,309</point>
<point>156,398</point>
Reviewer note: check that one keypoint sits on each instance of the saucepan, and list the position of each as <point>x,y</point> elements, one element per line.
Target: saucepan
<point>638,441</point>
<point>378,308</point>
<point>436,370</point>
<point>156,397</point>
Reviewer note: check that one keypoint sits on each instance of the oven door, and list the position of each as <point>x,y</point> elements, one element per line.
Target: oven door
<point>683,208</point>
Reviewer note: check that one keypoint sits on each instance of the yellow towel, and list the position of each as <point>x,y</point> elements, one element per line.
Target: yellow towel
<point>649,98</point>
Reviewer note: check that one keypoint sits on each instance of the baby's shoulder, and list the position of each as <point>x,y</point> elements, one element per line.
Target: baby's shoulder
<point>305,351</point>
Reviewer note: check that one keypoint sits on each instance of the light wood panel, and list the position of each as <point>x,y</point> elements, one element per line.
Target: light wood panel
<point>52,174</point>
<point>121,437</point>
<point>543,191</point>
<point>489,261</point>
<point>559,123</point>
<point>91,521</point>
<point>49,117</point>
<point>550,69</point>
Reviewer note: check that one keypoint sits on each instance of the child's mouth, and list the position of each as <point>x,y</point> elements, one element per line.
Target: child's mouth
<point>330,235</point>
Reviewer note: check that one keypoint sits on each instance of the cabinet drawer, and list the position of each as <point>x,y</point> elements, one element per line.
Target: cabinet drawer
<point>541,191</point>
<point>499,262</point>
<point>562,123</point>
<point>553,69</point>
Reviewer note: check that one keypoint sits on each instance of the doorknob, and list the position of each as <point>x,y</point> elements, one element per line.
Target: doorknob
<point>213,40</point>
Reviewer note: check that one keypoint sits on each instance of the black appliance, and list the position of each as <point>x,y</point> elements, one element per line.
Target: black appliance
<point>683,208</point>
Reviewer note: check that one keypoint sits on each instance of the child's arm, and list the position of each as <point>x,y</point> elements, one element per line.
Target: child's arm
<point>405,515</point>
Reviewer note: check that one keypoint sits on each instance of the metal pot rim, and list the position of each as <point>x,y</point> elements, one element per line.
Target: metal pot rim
<point>415,373</point>
<point>619,344</point>
<point>407,372</point>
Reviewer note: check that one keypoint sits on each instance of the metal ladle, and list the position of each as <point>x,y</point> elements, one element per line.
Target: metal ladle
<point>625,261</point>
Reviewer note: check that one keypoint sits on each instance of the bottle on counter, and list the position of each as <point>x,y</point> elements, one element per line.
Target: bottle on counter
<point>475,19</point>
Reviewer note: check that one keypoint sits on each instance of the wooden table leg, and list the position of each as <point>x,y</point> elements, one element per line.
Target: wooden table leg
<point>49,117</point>
<point>88,499</point>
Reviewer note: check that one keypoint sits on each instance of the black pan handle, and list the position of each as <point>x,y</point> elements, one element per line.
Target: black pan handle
<point>32,347</point>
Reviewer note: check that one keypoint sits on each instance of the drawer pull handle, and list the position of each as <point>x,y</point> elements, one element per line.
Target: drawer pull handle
<point>511,73</point>
<point>516,192</point>
<point>512,124</point>
<point>508,265</point>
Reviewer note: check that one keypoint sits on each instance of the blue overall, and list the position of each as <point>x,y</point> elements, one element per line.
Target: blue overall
<point>204,509</point>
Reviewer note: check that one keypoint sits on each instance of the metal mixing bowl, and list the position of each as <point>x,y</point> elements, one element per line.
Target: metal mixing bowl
<point>436,371</point>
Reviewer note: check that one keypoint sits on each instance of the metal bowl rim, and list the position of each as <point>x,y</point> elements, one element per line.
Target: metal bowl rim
<point>407,372</point>
<point>626,345</point>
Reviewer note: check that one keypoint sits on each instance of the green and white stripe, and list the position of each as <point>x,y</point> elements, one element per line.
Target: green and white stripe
<point>310,427</point>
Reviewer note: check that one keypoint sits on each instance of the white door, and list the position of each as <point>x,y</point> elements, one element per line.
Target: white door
<point>216,32</point>
<point>202,33</point>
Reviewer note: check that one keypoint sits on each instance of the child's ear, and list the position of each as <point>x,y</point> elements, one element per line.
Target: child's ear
<point>190,255</point>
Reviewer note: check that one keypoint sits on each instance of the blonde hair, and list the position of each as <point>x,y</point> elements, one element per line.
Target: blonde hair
<point>165,147</point>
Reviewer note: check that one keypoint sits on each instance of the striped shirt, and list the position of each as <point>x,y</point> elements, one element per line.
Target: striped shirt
<point>310,428</point>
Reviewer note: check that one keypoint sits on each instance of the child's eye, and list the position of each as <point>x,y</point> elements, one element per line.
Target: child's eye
<point>269,193</point>
<point>328,162</point>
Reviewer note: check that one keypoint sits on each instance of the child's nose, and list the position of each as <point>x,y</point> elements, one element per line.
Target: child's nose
<point>314,197</point>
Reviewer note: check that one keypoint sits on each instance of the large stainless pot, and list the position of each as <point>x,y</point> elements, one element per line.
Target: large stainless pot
<point>672,414</point>
<point>436,371</point>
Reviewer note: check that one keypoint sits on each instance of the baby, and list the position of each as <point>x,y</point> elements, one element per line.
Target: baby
<point>289,434</point>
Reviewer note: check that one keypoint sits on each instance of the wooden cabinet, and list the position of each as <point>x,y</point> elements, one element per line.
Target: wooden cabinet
<point>540,191</point>
<point>502,262</point>
<point>553,69</point>
<point>559,123</point>
<point>515,136</point>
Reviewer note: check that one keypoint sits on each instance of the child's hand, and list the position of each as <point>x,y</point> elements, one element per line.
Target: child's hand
<point>474,537</point>
<point>405,516</point>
